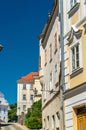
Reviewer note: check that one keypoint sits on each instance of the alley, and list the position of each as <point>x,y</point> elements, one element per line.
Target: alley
<point>13,126</point>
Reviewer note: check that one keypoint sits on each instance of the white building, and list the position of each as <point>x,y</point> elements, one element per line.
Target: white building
<point>28,89</point>
<point>3,109</point>
<point>50,72</point>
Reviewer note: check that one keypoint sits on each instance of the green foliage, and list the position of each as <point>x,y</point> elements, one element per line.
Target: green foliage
<point>33,118</point>
<point>12,111</point>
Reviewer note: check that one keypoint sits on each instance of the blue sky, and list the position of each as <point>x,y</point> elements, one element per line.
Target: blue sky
<point>21,22</point>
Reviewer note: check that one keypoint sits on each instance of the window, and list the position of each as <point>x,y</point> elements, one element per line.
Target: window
<point>31,97</point>
<point>72,3</point>
<point>4,111</point>
<point>31,87</point>
<point>44,123</point>
<point>45,57</point>
<point>50,52</point>
<point>24,97</point>
<point>50,80</point>
<point>35,91</point>
<point>55,67</point>
<point>24,107</point>
<point>55,39</point>
<point>75,57</point>
<point>53,122</point>
<point>47,122</point>
<point>24,86</point>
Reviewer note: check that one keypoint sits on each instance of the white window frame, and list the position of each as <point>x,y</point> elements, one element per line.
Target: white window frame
<point>80,56</point>
<point>24,86</point>
<point>24,96</point>
<point>51,80</point>
<point>72,3</point>
<point>24,107</point>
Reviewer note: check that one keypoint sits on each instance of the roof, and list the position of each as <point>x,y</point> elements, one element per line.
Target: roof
<point>50,16</point>
<point>29,77</point>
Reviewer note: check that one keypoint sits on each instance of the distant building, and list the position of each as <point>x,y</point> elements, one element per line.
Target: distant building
<point>28,91</point>
<point>3,109</point>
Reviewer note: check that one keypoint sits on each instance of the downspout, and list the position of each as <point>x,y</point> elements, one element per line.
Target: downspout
<point>62,59</point>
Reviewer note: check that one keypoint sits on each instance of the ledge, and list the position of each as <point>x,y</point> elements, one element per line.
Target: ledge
<point>76,72</point>
<point>72,11</point>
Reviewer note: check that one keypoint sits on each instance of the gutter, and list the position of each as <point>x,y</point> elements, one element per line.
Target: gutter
<point>62,60</point>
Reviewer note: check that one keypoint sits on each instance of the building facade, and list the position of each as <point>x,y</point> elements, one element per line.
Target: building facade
<point>75,64</point>
<point>28,87</point>
<point>49,72</point>
<point>3,109</point>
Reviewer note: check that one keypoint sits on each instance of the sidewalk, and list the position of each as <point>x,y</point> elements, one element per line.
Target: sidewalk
<point>22,126</point>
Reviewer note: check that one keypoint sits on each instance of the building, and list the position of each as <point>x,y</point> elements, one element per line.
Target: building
<point>28,88</point>
<point>75,64</point>
<point>37,88</point>
<point>3,109</point>
<point>49,71</point>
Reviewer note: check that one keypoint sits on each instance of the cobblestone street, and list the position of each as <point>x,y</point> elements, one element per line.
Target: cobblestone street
<point>13,126</point>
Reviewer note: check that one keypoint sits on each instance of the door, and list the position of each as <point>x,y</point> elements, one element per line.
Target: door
<point>81,122</point>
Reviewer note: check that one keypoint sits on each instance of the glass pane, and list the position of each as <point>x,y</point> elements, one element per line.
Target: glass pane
<point>77,56</point>
<point>81,125</point>
<point>75,1</point>
<point>73,58</point>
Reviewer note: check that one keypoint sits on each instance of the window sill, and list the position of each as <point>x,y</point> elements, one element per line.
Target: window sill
<point>72,11</point>
<point>76,72</point>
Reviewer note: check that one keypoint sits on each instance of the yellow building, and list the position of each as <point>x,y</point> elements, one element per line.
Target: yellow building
<point>75,64</point>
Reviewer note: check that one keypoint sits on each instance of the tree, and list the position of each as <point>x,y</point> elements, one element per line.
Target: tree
<point>12,112</point>
<point>33,119</point>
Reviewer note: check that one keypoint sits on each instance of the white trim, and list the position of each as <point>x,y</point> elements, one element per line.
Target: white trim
<point>80,54</point>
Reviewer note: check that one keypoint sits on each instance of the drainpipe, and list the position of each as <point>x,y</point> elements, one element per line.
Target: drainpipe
<point>62,59</point>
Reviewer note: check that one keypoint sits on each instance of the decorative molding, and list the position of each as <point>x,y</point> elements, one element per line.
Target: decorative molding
<point>75,91</point>
<point>74,32</point>
<point>84,28</point>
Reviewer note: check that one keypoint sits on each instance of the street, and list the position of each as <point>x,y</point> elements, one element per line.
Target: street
<point>12,126</point>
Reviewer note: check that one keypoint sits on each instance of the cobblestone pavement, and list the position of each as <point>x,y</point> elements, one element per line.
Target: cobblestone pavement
<point>13,126</point>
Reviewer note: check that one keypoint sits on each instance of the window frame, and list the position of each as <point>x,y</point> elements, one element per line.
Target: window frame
<point>24,96</point>
<point>73,3</point>
<point>24,86</point>
<point>55,40</point>
<point>31,97</point>
<point>50,52</point>
<point>45,57</point>
<point>24,107</point>
<point>80,57</point>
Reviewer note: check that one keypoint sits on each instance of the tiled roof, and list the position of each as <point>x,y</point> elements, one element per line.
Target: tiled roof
<point>29,77</point>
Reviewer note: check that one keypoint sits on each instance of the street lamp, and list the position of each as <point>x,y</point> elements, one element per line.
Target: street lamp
<point>1,47</point>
